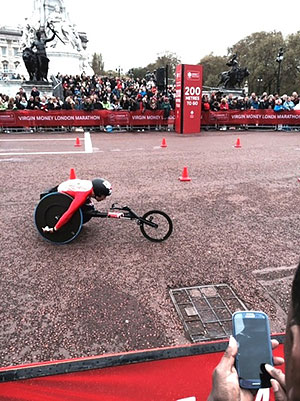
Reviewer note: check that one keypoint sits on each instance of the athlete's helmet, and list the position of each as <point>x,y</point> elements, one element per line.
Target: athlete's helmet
<point>101,187</point>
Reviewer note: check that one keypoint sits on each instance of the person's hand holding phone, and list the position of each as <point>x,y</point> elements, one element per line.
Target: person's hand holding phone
<point>225,378</point>
<point>278,384</point>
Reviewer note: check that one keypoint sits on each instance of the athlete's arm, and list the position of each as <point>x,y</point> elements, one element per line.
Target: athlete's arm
<point>78,201</point>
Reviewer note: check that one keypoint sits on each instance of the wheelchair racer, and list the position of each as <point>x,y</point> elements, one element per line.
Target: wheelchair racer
<point>81,191</point>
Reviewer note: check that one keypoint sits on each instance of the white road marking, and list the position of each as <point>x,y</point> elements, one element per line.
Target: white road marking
<point>88,143</point>
<point>14,159</point>
<point>45,153</point>
<point>38,139</point>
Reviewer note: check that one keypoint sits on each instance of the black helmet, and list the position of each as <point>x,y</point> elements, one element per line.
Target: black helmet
<point>101,187</point>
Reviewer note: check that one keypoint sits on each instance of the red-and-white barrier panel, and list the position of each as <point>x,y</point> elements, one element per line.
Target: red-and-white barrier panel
<point>251,117</point>
<point>78,118</point>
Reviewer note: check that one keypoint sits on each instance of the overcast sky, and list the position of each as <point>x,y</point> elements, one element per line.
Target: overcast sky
<point>133,33</point>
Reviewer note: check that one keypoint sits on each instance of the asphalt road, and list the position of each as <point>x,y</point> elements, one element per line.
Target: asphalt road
<point>236,222</point>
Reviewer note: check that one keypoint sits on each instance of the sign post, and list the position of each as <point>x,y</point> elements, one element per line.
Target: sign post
<point>188,98</point>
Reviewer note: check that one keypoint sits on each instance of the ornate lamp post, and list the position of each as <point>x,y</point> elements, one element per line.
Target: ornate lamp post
<point>279,59</point>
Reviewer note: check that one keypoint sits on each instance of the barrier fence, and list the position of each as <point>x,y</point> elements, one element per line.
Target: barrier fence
<point>79,118</point>
<point>251,117</point>
<point>26,119</point>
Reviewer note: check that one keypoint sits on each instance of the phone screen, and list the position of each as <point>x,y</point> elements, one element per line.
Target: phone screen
<point>251,330</point>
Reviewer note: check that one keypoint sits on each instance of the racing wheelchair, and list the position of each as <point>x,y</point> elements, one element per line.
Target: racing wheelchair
<point>155,225</point>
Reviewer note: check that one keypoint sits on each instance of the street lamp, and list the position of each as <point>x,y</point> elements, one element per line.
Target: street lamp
<point>279,59</point>
<point>246,88</point>
<point>119,70</point>
<point>259,81</point>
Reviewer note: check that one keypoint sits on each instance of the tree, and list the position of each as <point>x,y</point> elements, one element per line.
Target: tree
<point>258,53</point>
<point>137,72</point>
<point>290,72</point>
<point>212,67</point>
<point>97,64</point>
<point>167,59</point>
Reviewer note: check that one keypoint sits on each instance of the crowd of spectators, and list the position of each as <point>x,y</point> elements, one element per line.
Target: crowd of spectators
<point>217,101</point>
<point>90,93</point>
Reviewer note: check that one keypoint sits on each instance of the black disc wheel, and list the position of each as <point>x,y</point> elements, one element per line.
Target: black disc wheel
<point>47,213</point>
<point>156,226</point>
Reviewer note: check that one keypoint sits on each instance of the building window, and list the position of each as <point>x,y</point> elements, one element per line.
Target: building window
<point>15,51</point>
<point>3,51</point>
<point>5,66</point>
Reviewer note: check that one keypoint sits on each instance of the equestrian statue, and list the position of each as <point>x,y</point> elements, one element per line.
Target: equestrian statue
<point>235,76</point>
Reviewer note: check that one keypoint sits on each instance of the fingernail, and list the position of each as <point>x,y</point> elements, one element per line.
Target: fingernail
<point>231,341</point>
<point>275,385</point>
<point>268,367</point>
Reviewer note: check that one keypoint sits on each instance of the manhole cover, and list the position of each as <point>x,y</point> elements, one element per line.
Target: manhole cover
<point>206,311</point>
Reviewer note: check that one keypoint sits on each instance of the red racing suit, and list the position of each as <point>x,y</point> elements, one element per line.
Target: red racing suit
<point>80,190</point>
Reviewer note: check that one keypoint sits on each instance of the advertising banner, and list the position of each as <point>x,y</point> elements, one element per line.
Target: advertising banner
<point>188,98</point>
<point>78,118</point>
<point>251,117</point>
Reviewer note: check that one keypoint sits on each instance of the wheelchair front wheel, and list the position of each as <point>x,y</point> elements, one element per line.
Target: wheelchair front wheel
<point>163,226</point>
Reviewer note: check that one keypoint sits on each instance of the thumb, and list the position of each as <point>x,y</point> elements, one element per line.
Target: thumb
<point>228,358</point>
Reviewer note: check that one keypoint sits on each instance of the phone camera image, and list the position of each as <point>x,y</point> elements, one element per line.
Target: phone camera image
<point>252,332</point>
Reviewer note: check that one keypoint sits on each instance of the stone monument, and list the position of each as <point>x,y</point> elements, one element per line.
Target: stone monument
<point>66,48</point>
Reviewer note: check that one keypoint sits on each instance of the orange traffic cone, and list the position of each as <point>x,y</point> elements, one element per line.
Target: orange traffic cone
<point>163,143</point>
<point>238,143</point>
<point>72,174</point>
<point>185,176</point>
<point>77,143</point>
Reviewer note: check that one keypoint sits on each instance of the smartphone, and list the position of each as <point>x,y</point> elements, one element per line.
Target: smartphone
<point>251,329</point>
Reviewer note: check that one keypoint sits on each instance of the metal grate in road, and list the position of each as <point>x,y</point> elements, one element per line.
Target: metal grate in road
<point>206,311</point>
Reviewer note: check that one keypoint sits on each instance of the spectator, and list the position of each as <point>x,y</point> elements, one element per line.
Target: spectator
<point>153,103</point>
<point>3,104</point>
<point>97,104</point>
<point>22,93</point>
<point>263,101</point>
<point>288,104</point>
<point>52,104</point>
<point>254,104</point>
<point>124,102</point>
<point>43,104</point>
<point>278,105</point>
<point>88,104</point>
<point>35,92</point>
<point>18,104</point>
<point>295,98</point>
<point>11,104</point>
<point>106,103</point>
<point>215,106</point>
<point>224,104</point>
<point>205,103</point>
<point>23,102</point>
<point>166,107</point>
<point>31,103</point>
<point>37,103</point>
<point>271,102</point>
<point>68,104</point>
